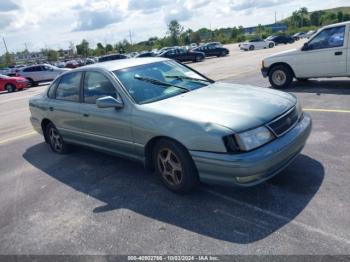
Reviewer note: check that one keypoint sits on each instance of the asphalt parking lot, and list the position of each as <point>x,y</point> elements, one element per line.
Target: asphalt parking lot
<point>91,203</point>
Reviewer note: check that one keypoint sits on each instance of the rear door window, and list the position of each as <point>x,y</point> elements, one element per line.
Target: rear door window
<point>69,87</point>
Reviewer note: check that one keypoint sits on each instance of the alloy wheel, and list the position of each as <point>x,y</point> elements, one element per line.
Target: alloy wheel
<point>169,166</point>
<point>55,140</point>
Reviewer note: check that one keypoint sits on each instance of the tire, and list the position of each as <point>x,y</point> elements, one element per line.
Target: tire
<point>32,83</point>
<point>174,166</point>
<point>251,48</point>
<point>280,76</point>
<point>10,88</point>
<point>55,140</point>
<point>271,45</point>
<point>223,53</point>
<point>198,59</point>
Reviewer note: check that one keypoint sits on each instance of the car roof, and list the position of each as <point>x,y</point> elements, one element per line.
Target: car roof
<point>124,63</point>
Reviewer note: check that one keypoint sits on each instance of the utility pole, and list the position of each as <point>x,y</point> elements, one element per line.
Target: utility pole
<point>275,17</point>
<point>3,39</point>
<point>130,37</point>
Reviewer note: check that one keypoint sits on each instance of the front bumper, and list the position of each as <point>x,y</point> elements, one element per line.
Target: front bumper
<point>251,168</point>
<point>264,71</point>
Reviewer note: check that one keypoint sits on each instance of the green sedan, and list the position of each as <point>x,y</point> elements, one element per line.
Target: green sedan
<point>181,125</point>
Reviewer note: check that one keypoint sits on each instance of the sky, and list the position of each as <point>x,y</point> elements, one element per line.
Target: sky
<point>37,24</point>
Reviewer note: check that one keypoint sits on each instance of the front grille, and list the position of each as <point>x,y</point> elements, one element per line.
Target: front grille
<point>282,124</point>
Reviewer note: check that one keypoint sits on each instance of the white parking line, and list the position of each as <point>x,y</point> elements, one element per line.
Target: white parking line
<point>17,137</point>
<point>277,216</point>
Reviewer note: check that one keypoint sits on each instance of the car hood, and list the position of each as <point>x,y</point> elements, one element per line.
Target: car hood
<point>237,107</point>
<point>286,53</point>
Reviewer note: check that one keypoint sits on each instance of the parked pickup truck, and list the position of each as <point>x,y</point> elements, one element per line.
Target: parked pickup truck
<point>325,54</point>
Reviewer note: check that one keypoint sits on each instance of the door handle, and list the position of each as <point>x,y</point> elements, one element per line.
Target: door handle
<point>338,53</point>
<point>51,108</point>
<point>86,115</point>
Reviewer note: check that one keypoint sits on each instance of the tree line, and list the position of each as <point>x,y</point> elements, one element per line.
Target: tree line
<point>177,35</point>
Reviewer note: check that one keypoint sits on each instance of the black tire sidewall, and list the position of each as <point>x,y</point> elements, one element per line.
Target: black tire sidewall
<point>289,76</point>
<point>190,174</point>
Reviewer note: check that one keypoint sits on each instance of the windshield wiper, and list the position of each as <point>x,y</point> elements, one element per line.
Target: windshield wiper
<point>189,78</point>
<point>158,82</point>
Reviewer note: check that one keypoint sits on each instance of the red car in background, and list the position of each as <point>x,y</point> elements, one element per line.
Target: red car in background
<point>11,84</point>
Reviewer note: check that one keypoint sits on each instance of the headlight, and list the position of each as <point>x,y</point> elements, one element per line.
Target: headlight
<point>254,138</point>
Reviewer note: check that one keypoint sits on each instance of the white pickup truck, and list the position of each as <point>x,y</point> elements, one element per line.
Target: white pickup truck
<point>326,54</point>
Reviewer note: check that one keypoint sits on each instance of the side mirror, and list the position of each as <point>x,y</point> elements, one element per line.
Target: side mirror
<point>108,101</point>
<point>305,47</point>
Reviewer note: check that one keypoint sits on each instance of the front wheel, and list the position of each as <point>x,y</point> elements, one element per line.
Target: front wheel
<point>174,166</point>
<point>10,88</point>
<point>280,76</point>
<point>198,59</point>
<point>271,45</point>
<point>251,48</point>
<point>55,140</point>
<point>223,53</point>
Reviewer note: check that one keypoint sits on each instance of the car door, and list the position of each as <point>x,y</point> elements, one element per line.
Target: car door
<point>105,128</point>
<point>48,73</point>
<point>325,54</point>
<point>64,107</point>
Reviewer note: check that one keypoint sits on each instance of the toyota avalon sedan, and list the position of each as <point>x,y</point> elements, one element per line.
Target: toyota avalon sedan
<point>181,125</point>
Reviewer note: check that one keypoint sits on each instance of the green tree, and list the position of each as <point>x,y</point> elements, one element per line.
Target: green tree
<point>83,48</point>
<point>340,16</point>
<point>109,48</point>
<point>346,17</point>
<point>174,30</point>
<point>52,55</point>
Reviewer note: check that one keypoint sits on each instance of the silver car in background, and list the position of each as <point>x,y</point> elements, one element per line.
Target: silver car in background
<point>177,122</point>
<point>40,73</point>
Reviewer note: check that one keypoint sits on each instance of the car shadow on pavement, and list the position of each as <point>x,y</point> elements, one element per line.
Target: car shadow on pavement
<point>333,87</point>
<point>240,215</point>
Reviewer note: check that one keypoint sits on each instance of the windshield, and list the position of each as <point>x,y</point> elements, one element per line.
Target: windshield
<point>173,75</point>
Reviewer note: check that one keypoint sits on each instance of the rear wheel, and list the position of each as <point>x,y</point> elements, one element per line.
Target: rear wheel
<point>251,48</point>
<point>10,88</point>
<point>280,76</point>
<point>55,140</point>
<point>174,166</point>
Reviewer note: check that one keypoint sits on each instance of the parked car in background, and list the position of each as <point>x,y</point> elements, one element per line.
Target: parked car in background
<point>146,54</point>
<point>111,57</point>
<point>193,45</point>
<point>280,39</point>
<point>326,54</point>
<point>183,55</point>
<point>40,73</point>
<point>298,36</point>
<point>310,33</point>
<point>178,123</point>
<point>89,61</point>
<point>72,64</point>
<point>256,44</point>
<point>11,84</point>
<point>212,50</point>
